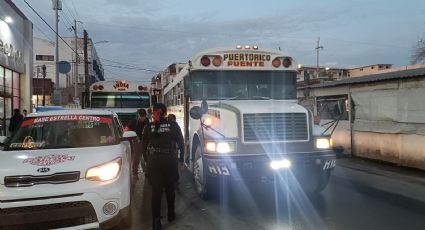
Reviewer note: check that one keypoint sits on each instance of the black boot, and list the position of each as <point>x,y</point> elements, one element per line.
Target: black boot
<point>157,224</point>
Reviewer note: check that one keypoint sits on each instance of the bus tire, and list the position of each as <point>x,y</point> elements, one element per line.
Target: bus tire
<point>200,174</point>
<point>323,181</point>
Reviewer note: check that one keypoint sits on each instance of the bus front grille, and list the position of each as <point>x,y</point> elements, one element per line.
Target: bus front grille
<point>265,127</point>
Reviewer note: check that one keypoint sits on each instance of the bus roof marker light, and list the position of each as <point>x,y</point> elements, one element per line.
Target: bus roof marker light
<point>287,62</point>
<point>8,19</point>
<point>101,87</point>
<point>205,61</point>
<point>238,47</point>
<point>247,47</point>
<point>276,62</point>
<point>217,61</point>
<point>255,47</point>
<point>95,87</point>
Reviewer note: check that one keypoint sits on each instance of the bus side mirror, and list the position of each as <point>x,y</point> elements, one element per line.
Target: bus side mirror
<point>204,107</point>
<point>195,112</point>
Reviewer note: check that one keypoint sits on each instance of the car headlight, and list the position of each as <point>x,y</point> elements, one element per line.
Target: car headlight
<point>106,171</point>
<point>222,147</point>
<point>323,143</point>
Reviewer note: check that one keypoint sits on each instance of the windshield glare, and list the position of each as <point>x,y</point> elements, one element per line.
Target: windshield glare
<point>71,131</point>
<point>243,85</point>
<point>120,100</point>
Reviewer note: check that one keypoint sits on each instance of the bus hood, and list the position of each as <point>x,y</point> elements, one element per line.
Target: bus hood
<point>50,161</point>
<point>265,106</point>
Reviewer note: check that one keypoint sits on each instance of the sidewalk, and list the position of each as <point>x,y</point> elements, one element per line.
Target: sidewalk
<point>402,181</point>
<point>411,175</point>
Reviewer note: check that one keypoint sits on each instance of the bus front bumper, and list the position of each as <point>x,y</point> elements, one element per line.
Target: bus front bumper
<point>259,168</point>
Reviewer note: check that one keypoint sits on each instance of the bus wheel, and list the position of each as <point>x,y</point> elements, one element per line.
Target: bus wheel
<point>199,174</point>
<point>316,184</point>
<point>323,181</point>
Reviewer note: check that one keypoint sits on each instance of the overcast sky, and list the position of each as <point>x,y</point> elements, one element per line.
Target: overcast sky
<point>150,35</point>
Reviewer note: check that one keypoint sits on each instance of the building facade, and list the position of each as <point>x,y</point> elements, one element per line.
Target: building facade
<point>16,62</point>
<point>44,55</point>
<point>165,77</point>
<point>369,69</point>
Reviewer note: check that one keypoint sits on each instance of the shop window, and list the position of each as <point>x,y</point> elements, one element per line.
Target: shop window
<point>44,57</point>
<point>8,82</point>
<point>1,79</point>
<point>16,90</point>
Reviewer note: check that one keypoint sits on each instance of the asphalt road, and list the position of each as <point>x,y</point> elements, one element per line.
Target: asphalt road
<point>354,199</point>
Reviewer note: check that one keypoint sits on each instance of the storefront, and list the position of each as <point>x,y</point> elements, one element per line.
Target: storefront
<point>16,62</point>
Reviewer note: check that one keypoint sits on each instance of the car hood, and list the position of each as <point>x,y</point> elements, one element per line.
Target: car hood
<point>51,161</point>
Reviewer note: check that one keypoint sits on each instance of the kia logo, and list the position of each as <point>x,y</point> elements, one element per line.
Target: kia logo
<point>43,170</point>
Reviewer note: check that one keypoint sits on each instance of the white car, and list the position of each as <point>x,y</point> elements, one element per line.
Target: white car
<point>66,169</point>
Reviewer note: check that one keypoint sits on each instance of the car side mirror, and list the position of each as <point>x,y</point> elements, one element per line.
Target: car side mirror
<point>128,135</point>
<point>195,112</point>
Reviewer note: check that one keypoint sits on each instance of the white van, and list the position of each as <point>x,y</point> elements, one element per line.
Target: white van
<point>66,169</point>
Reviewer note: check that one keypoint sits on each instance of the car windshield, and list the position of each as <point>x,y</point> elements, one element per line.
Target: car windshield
<point>243,85</point>
<point>120,100</point>
<point>66,131</point>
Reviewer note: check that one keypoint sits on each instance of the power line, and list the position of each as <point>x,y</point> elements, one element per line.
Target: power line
<point>120,76</point>
<point>50,26</point>
<point>69,11</point>
<point>66,19</point>
<point>128,65</point>
<point>76,12</point>
<point>131,68</point>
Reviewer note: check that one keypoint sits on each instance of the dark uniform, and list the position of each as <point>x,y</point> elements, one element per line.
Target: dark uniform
<point>159,151</point>
<point>137,126</point>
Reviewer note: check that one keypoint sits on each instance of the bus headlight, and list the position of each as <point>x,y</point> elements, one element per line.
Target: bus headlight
<point>323,143</point>
<point>105,172</point>
<point>221,147</point>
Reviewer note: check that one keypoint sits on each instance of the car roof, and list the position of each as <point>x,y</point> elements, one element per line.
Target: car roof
<point>73,112</point>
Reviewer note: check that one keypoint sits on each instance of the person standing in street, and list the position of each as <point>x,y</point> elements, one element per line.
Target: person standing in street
<point>15,121</point>
<point>159,151</point>
<point>24,112</point>
<point>137,125</point>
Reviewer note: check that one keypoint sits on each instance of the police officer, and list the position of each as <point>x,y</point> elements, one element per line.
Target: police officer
<point>159,150</point>
<point>137,125</point>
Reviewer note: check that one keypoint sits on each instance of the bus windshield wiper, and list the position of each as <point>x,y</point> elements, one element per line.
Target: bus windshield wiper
<point>231,98</point>
<point>261,97</point>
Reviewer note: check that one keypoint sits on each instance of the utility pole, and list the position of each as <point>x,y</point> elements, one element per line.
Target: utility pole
<point>43,69</point>
<point>318,47</point>
<point>86,63</point>
<point>57,5</point>
<point>38,74</point>
<point>76,60</point>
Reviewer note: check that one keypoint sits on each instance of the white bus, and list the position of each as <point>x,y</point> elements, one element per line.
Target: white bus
<point>122,97</point>
<point>253,128</point>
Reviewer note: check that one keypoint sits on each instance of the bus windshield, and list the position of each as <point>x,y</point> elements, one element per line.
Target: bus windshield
<point>120,100</point>
<point>243,85</point>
